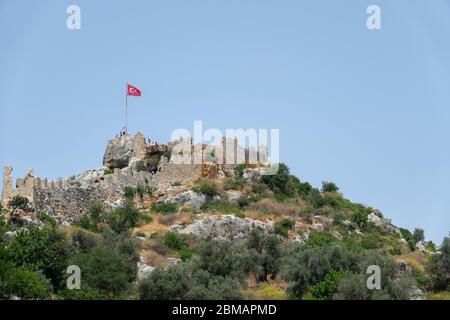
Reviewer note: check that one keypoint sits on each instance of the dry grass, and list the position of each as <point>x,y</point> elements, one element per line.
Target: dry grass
<point>416,259</point>
<point>444,295</point>
<point>269,206</point>
<point>153,258</point>
<point>271,290</point>
<point>257,215</point>
<point>161,223</point>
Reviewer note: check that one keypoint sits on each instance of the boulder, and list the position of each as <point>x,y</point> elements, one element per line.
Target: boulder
<point>403,266</point>
<point>172,262</point>
<point>8,236</point>
<point>376,220</point>
<point>317,226</point>
<point>415,293</point>
<point>233,196</point>
<point>187,198</point>
<point>121,151</point>
<point>223,227</point>
<point>253,174</point>
<point>143,270</point>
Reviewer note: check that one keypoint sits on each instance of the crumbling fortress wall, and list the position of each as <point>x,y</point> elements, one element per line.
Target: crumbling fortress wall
<point>67,199</point>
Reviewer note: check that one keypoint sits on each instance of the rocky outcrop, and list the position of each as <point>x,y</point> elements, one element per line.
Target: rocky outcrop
<point>233,196</point>
<point>118,152</point>
<point>223,227</point>
<point>187,198</point>
<point>143,270</point>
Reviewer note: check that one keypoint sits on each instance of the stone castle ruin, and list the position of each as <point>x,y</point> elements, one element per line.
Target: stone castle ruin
<point>129,161</point>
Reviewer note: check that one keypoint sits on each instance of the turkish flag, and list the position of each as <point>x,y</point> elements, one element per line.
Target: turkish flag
<point>133,91</point>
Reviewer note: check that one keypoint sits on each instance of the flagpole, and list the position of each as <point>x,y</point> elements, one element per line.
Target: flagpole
<point>126,108</point>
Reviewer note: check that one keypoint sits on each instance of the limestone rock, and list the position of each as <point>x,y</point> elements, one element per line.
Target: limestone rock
<point>143,270</point>
<point>172,262</point>
<point>120,151</point>
<point>317,226</point>
<point>415,293</point>
<point>233,196</point>
<point>187,198</point>
<point>223,227</point>
<point>403,266</point>
<point>253,174</point>
<point>376,220</point>
<point>8,236</point>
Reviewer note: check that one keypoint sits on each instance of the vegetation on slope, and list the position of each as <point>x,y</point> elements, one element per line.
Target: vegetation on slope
<point>321,248</point>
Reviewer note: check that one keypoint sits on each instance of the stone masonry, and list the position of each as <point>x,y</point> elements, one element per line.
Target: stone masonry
<point>68,198</point>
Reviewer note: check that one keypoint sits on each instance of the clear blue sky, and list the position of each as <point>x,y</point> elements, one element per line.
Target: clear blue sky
<point>369,110</point>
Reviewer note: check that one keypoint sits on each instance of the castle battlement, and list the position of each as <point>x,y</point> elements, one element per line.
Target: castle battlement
<point>178,161</point>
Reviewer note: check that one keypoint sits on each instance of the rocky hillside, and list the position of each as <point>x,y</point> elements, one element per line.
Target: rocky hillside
<point>145,227</point>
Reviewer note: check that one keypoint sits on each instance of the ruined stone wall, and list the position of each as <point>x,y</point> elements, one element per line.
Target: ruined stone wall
<point>24,187</point>
<point>70,198</point>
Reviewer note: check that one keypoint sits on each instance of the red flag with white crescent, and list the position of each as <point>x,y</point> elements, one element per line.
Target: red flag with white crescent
<point>133,91</point>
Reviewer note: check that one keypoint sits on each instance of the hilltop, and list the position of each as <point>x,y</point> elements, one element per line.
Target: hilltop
<point>151,224</point>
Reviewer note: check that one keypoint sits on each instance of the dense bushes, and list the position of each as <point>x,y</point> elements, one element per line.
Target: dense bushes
<point>45,250</point>
<point>206,187</point>
<point>439,267</point>
<point>339,272</point>
<point>218,271</point>
<point>281,182</point>
<point>283,226</point>
<point>119,219</point>
<point>165,208</point>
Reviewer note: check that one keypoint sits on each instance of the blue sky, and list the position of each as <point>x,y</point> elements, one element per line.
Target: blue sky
<point>366,109</point>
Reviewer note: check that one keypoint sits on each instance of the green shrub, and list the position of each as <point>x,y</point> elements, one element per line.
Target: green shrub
<point>259,188</point>
<point>283,226</point>
<point>27,284</point>
<point>106,269</point>
<point>42,249</point>
<point>165,208</point>
<point>233,184</point>
<point>207,188</point>
<point>264,255</point>
<point>418,235</point>
<point>320,238</point>
<point>126,217</point>
<point>221,206</point>
<point>239,170</point>
<point>18,202</point>
<point>360,219</point>
<point>96,214</point>
<point>281,182</point>
<point>439,267</point>
<point>150,164</point>
<point>185,253</point>
<point>83,240</point>
<point>329,187</point>
<point>408,236</point>
<point>174,241</point>
<point>129,192</point>
<point>305,266</point>
<point>107,171</point>
<point>45,218</point>
<point>184,281</point>
<point>327,288</point>
<point>371,241</point>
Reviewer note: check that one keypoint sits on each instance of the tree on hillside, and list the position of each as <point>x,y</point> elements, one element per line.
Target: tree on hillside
<point>18,202</point>
<point>281,182</point>
<point>329,187</point>
<point>439,267</point>
<point>418,235</point>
